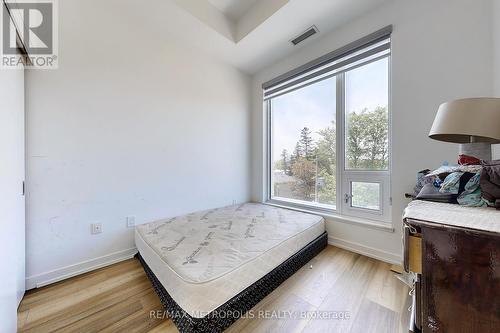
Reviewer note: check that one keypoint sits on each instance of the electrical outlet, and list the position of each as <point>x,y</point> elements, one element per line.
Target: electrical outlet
<point>130,221</point>
<point>96,228</point>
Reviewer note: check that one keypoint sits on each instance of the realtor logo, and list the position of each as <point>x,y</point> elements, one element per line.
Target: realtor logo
<point>29,34</point>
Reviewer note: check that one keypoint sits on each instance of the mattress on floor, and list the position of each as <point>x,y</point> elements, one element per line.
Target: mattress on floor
<point>204,259</point>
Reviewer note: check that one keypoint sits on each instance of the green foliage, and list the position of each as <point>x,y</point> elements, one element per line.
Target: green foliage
<point>305,173</point>
<point>327,193</point>
<point>366,195</point>
<point>313,164</point>
<point>278,165</point>
<point>306,144</point>
<point>283,163</point>
<point>366,142</point>
<point>326,154</point>
<point>297,153</point>
<point>326,149</point>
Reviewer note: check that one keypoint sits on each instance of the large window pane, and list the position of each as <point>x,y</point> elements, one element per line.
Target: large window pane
<point>366,117</point>
<point>303,144</point>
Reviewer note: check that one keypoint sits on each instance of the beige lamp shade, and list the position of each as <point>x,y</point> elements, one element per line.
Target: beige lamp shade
<point>468,120</point>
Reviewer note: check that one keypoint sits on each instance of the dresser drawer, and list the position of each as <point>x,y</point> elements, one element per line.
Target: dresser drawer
<point>415,253</point>
<point>412,244</point>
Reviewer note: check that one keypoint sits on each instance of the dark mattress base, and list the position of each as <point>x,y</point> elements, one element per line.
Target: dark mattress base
<point>226,314</point>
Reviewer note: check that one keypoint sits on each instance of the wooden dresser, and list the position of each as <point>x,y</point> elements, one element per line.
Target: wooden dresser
<point>454,255</point>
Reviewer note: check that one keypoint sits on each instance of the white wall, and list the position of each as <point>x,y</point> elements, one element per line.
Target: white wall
<point>496,45</point>
<point>130,124</point>
<point>11,198</point>
<point>441,50</point>
<point>496,60</point>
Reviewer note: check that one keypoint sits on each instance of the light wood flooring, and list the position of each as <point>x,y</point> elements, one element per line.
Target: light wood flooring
<point>119,298</point>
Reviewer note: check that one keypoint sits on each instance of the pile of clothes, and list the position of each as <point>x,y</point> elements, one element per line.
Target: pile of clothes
<point>472,183</point>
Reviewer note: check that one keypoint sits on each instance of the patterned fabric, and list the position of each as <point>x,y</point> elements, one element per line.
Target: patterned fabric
<point>451,183</point>
<point>422,180</point>
<point>471,196</point>
<point>490,182</point>
<point>437,182</point>
<point>201,247</point>
<point>455,168</point>
<point>468,160</point>
<point>222,317</point>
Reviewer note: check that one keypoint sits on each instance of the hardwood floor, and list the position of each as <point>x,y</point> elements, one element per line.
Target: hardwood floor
<point>119,298</point>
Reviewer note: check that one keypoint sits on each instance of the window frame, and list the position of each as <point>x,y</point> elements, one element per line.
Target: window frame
<point>344,176</point>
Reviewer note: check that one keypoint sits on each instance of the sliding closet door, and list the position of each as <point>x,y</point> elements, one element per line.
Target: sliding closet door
<point>12,208</point>
<point>19,172</point>
<point>12,234</point>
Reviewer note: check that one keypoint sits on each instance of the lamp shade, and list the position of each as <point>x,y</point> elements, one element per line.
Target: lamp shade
<point>468,120</point>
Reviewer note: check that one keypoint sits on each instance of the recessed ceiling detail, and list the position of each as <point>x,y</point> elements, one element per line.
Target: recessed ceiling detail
<point>202,28</point>
<point>233,9</point>
<point>234,19</point>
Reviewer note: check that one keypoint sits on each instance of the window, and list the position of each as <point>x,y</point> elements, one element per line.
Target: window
<point>303,144</point>
<point>329,132</point>
<point>366,117</point>
<point>365,195</point>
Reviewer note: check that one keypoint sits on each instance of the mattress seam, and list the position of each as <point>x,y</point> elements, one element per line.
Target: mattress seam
<point>322,220</point>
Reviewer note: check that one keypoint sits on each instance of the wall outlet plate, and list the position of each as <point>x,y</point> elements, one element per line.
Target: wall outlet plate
<point>96,228</point>
<point>130,221</point>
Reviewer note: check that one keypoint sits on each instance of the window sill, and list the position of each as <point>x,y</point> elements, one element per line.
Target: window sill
<point>383,226</point>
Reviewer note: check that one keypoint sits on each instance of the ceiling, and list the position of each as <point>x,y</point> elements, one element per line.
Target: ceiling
<point>248,34</point>
<point>233,19</point>
<point>233,9</point>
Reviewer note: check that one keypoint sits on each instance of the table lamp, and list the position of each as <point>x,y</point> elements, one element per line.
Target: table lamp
<point>474,123</point>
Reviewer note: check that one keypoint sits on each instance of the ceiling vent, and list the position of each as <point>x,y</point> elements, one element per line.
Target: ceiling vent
<point>305,35</point>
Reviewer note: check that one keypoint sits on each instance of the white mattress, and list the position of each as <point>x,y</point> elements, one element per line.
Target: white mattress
<point>204,259</point>
<point>478,218</point>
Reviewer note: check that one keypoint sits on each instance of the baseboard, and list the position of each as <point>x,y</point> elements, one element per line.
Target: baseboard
<point>43,279</point>
<point>50,277</point>
<point>371,252</point>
